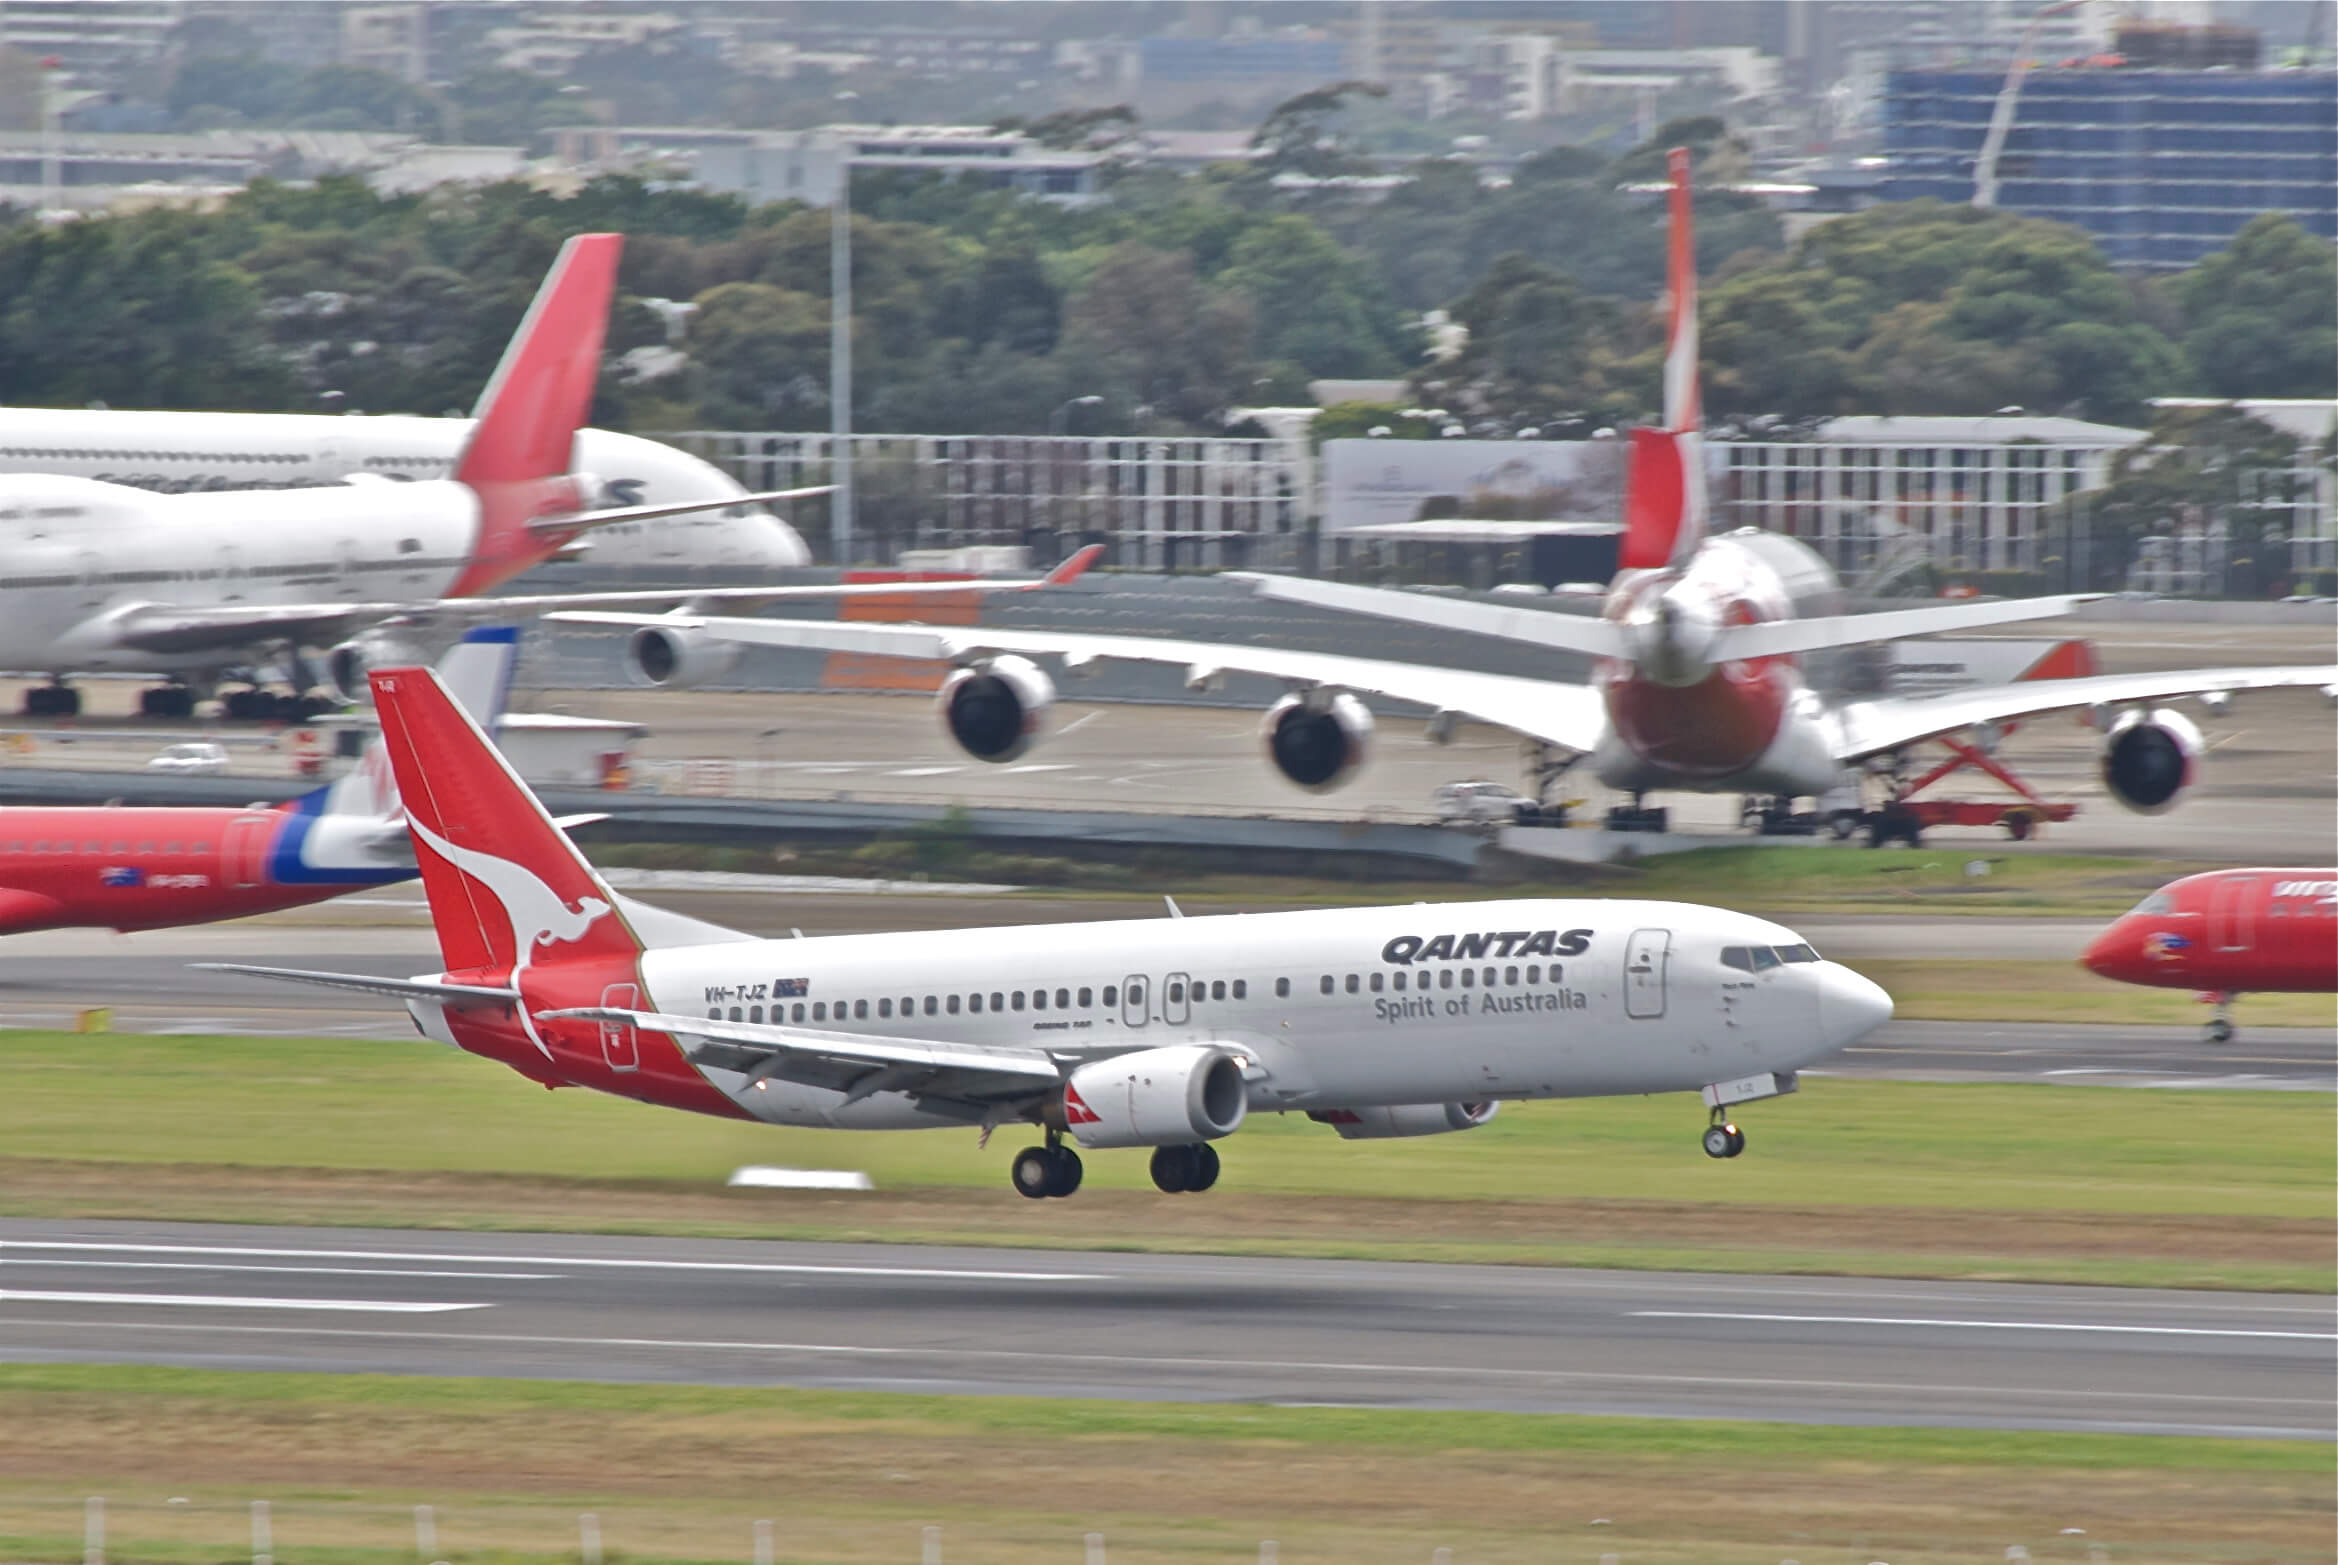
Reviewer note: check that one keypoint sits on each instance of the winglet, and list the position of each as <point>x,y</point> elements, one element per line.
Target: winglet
<point>1074,568</point>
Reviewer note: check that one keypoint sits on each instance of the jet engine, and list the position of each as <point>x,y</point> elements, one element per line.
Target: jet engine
<point>1404,1119</point>
<point>2148,759</point>
<point>994,709</point>
<point>678,657</point>
<point>1316,743</point>
<point>1165,1097</point>
<point>347,664</point>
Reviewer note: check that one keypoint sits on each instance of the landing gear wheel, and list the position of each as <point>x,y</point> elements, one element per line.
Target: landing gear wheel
<point>2219,1030</point>
<point>1736,1140</point>
<point>1723,1141</point>
<point>1185,1170</point>
<point>1844,824</point>
<point>1032,1172</point>
<point>1064,1171</point>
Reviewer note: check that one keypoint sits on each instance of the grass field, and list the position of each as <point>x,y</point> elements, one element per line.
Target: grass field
<point>1946,989</point>
<point>2040,1182</point>
<point>681,1473</point>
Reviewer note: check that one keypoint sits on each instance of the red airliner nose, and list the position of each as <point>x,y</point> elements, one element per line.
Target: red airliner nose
<point>2116,953</point>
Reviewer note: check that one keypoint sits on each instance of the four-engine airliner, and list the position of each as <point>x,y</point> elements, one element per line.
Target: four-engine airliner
<point>1698,683</point>
<point>1390,1021</point>
<point>2227,933</point>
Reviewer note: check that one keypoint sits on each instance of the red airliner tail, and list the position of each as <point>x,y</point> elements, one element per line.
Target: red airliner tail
<point>519,452</point>
<point>1664,484</point>
<point>507,889</point>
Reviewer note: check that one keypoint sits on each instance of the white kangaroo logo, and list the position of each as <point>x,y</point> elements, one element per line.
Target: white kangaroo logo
<point>537,914</point>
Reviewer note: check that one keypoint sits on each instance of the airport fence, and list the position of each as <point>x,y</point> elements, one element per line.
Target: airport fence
<point>110,1530</point>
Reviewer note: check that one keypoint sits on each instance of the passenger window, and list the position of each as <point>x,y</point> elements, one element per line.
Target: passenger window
<point>1487,977</point>
<point>1353,984</point>
<point>170,847</point>
<point>1375,982</point>
<point>998,1001</point>
<point>755,1013</point>
<point>1509,975</point>
<point>885,1007</point>
<point>1111,996</point>
<point>799,1011</point>
<point>931,1007</point>
<point>1018,1001</point>
<point>974,1003</point>
<point>820,1010</point>
<point>860,1010</point>
<point>1468,977</point>
<point>1176,994</point>
<point>1038,999</point>
<point>1136,995</point>
<point>146,847</point>
<point>714,1013</point>
<point>1737,957</point>
<point>1241,988</point>
<point>1282,988</point>
<point>1763,958</point>
<point>735,1014</point>
<point>1063,1000</point>
<point>1217,988</point>
<point>953,1005</point>
<point>1400,980</point>
<point>1445,979</point>
<point>1087,998</point>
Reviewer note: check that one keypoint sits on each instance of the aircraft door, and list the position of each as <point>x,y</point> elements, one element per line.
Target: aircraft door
<point>1646,955</point>
<point>1132,1001</point>
<point>2233,913</point>
<point>1175,1009</point>
<point>243,852</point>
<point>619,1046</point>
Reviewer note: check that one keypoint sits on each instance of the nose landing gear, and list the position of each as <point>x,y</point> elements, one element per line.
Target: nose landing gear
<point>1723,1139</point>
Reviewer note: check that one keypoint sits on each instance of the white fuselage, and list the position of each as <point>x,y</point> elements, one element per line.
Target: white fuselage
<point>190,453</point>
<point>1552,999</point>
<point>76,555</point>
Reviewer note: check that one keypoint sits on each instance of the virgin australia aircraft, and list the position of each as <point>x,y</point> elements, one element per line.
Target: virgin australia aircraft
<point>1395,1021</point>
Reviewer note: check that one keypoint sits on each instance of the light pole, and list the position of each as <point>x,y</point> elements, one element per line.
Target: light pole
<point>1059,422</point>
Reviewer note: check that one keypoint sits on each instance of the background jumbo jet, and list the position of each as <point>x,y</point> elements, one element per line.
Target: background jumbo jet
<point>179,453</point>
<point>1698,683</point>
<point>120,868</point>
<point>2226,933</point>
<point>1165,1034</point>
<point>102,577</point>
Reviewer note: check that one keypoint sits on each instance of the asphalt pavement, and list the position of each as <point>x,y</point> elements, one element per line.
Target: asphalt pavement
<point>1171,1328</point>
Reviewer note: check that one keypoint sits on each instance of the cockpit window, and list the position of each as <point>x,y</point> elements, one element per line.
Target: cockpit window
<point>1797,954</point>
<point>2157,902</point>
<point>1763,958</point>
<point>1738,957</point>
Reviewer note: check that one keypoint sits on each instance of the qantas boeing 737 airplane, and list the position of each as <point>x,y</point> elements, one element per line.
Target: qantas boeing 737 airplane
<point>1394,1021</point>
<point>1698,682</point>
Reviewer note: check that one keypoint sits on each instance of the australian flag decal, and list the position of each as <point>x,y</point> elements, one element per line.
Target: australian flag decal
<point>791,988</point>
<point>121,875</point>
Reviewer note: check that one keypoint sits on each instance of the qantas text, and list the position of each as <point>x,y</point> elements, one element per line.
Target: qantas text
<point>1502,944</point>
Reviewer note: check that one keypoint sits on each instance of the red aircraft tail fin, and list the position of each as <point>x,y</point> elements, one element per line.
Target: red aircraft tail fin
<point>1664,485</point>
<point>507,890</point>
<point>519,452</point>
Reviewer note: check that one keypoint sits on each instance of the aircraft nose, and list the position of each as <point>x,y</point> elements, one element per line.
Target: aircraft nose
<point>2106,956</point>
<point>1850,1006</point>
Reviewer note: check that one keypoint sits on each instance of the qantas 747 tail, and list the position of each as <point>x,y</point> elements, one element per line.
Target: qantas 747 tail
<point>507,889</point>
<point>1664,486</point>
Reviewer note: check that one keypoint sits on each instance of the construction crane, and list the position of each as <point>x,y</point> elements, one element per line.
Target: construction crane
<point>2008,99</point>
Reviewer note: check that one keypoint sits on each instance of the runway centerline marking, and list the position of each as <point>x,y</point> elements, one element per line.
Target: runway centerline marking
<point>1985,1325</point>
<point>239,1266</point>
<point>973,1274</point>
<point>1505,1371</point>
<point>229,1301</point>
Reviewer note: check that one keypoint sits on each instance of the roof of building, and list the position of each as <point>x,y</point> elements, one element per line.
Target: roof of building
<point>2302,418</point>
<point>1987,429</point>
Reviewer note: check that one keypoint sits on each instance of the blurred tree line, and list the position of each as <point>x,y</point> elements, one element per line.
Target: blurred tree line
<point>1158,307</point>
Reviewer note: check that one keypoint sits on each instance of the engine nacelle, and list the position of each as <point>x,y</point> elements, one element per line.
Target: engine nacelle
<point>2148,758</point>
<point>347,664</point>
<point>1404,1119</point>
<point>677,657</point>
<point>1167,1097</point>
<point>1318,745</point>
<point>997,708</point>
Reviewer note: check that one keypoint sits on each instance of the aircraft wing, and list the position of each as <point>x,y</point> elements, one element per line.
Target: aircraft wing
<point>1872,727</point>
<point>586,520</point>
<point>1569,716</point>
<point>855,1064</point>
<point>458,995</point>
<point>1771,638</point>
<point>1584,633</point>
<point>165,628</point>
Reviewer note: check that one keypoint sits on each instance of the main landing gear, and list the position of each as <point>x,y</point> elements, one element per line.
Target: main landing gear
<point>174,702</point>
<point>1051,1170</point>
<point>1723,1139</point>
<point>58,700</point>
<point>1639,816</point>
<point>2220,1028</point>
<point>1187,1170</point>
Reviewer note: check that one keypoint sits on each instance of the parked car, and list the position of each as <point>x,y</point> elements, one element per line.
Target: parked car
<point>1479,802</point>
<point>192,759</point>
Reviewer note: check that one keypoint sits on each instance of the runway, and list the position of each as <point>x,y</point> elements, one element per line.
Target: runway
<point>46,978</point>
<point>1170,1328</point>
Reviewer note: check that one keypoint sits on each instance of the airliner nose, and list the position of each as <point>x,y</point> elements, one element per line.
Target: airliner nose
<point>2108,954</point>
<point>1849,1006</point>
